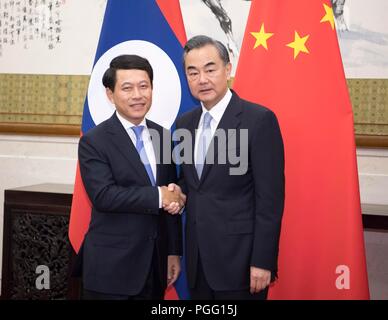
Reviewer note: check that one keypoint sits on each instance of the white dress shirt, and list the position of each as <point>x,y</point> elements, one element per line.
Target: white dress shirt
<point>216,112</point>
<point>148,146</point>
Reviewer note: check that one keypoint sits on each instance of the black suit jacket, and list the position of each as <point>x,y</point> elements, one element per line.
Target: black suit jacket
<point>233,221</point>
<point>126,223</point>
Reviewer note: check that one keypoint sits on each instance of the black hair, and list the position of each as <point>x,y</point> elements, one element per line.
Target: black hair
<point>126,62</point>
<point>201,41</point>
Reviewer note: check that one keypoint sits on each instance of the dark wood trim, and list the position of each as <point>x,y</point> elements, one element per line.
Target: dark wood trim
<point>39,129</point>
<point>375,222</point>
<point>371,141</point>
<point>38,200</point>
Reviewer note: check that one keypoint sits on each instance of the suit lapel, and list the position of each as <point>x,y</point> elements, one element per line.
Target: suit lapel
<point>124,145</point>
<point>229,120</point>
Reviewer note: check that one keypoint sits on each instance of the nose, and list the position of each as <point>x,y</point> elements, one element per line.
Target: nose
<point>136,93</point>
<point>202,77</point>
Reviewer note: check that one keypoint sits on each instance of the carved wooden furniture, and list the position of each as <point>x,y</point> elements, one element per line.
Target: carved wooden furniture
<point>36,220</point>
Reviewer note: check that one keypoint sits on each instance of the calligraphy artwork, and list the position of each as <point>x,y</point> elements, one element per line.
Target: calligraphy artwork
<point>24,21</point>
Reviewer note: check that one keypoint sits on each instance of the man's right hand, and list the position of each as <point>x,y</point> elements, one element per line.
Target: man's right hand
<point>173,200</point>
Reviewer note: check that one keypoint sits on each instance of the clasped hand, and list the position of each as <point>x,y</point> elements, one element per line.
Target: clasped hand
<point>173,200</point>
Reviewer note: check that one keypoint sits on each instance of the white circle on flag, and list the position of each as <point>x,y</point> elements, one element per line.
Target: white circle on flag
<point>166,85</point>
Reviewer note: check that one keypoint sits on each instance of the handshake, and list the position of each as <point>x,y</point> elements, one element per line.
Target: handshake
<point>173,200</point>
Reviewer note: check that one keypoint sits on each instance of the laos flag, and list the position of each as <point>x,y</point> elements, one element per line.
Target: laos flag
<point>154,30</point>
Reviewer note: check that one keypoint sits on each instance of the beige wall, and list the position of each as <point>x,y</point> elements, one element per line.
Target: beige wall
<point>373,175</point>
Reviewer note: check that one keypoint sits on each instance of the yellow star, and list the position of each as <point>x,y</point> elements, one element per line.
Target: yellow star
<point>329,16</point>
<point>261,37</point>
<point>299,44</point>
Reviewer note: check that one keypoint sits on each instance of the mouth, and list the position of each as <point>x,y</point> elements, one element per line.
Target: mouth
<point>137,105</point>
<point>205,91</point>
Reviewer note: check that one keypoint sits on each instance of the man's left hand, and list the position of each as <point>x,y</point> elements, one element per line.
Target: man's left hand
<point>173,269</point>
<point>260,279</point>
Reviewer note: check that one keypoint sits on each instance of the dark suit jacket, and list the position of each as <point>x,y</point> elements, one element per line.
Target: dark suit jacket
<point>126,224</point>
<point>233,221</point>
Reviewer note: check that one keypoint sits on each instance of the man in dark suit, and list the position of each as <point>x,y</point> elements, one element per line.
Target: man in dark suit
<point>233,214</point>
<point>132,247</point>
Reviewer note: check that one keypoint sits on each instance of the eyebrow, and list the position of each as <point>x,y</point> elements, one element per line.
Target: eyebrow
<point>210,64</point>
<point>206,65</point>
<point>191,68</point>
<point>125,83</point>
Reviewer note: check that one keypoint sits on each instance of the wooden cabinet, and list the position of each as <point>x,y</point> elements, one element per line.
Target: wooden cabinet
<point>36,245</point>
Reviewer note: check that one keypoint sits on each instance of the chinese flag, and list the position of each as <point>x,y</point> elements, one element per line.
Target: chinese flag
<point>290,62</point>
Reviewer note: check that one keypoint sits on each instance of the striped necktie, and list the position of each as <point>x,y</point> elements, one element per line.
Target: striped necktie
<point>142,153</point>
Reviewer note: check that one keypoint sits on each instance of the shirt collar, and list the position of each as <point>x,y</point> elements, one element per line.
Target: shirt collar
<point>218,110</point>
<point>128,124</point>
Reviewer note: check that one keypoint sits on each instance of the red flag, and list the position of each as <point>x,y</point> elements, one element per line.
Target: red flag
<point>81,209</point>
<point>290,62</point>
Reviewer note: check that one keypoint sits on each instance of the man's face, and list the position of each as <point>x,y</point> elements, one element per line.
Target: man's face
<point>132,94</point>
<point>207,75</point>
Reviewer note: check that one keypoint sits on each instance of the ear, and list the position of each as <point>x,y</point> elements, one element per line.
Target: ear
<point>109,94</point>
<point>228,70</point>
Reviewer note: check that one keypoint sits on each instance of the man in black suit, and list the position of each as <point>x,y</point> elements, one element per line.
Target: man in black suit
<point>233,213</point>
<point>132,247</point>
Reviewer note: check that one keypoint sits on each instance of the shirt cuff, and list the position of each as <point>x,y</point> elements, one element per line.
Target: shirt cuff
<point>160,198</point>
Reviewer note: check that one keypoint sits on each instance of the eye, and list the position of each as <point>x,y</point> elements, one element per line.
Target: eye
<point>192,75</point>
